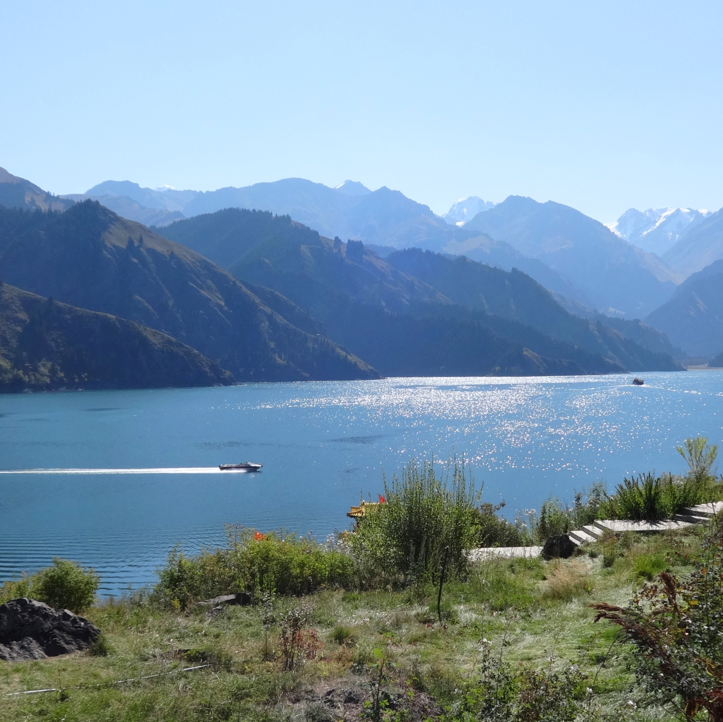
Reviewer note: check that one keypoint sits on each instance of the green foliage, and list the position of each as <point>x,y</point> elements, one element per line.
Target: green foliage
<point>676,630</point>
<point>557,518</point>
<point>406,539</point>
<point>507,693</point>
<point>495,531</point>
<point>503,584</point>
<point>650,498</point>
<point>101,647</point>
<point>276,562</point>
<point>342,635</point>
<point>64,585</point>
<point>699,456</point>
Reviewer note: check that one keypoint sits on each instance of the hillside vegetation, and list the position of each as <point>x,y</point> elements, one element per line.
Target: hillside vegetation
<point>91,258</point>
<point>46,345</point>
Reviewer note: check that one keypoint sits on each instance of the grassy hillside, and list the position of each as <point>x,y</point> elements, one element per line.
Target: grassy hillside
<point>47,345</point>
<point>19,193</point>
<point>360,652</point>
<point>91,258</point>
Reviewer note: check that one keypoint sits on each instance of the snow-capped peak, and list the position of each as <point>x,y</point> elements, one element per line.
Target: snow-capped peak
<point>657,229</point>
<point>465,209</point>
<point>352,188</point>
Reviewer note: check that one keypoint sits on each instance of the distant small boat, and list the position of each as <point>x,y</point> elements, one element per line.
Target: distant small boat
<point>245,466</point>
<point>638,382</point>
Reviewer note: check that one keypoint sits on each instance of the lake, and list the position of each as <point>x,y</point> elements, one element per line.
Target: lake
<point>115,479</point>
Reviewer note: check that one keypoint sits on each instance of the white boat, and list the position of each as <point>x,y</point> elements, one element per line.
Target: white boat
<point>245,466</point>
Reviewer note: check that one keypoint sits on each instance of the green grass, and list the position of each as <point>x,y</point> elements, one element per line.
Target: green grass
<point>529,610</point>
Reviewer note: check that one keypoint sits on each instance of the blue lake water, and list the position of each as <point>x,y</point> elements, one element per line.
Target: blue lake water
<point>135,472</point>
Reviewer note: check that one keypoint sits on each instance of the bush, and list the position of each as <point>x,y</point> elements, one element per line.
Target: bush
<point>494,531</point>
<point>676,629</point>
<point>519,693</point>
<point>64,585</point>
<point>281,563</point>
<point>557,518</point>
<point>650,498</point>
<point>424,521</point>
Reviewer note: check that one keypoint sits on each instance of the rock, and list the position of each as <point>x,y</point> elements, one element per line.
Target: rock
<point>32,630</point>
<point>242,599</point>
<point>558,547</point>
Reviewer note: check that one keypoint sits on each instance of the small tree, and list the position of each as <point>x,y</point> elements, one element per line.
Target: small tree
<point>405,539</point>
<point>699,456</point>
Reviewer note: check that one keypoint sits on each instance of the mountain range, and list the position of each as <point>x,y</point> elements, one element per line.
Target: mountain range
<point>571,254</point>
<point>656,230</point>
<point>91,258</point>
<point>618,278</point>
<point>328,278</point>
<point>259,295</point>
<point>693,317</point>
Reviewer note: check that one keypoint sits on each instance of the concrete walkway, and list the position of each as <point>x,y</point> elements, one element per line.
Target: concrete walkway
<point>691,515</point>
<point>476,555</point>
<point>592,532</point>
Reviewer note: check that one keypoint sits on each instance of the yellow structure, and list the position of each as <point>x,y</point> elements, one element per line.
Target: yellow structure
<point>359,512</point>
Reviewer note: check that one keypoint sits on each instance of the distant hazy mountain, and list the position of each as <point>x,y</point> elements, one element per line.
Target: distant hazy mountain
<point>350,210</point>
<point>617,277</point>
<point>90,258</point>
<point>351,291</point>
<point>465,209</point>
<point>656,230</point>
<point>352,188</point>
<point>131,210</point>
<point>517,297</point>
<point>699,247</point>
<point>484,249</point>
<point>693,317</point>
<point>47,345</point>
<point>19,193</point>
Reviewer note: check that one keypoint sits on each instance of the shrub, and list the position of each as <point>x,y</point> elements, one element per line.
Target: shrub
<point>699,456</point>
<point>676,629</point>
<point>557,518</point>
<point>650,498</point>
<point>520,693</point>
<point>342,635</point>
<point>281,563</point>
<point>494,531</point>
<point>424,520</point>
<point>64,585</point>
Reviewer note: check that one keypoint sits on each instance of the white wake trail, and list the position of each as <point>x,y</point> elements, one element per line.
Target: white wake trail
<point>178,470</point>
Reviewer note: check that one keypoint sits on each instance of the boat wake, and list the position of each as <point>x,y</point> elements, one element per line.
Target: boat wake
<point>178,470</point>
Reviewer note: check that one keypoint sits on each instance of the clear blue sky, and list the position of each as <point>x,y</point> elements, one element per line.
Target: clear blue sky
<point>599,105</point>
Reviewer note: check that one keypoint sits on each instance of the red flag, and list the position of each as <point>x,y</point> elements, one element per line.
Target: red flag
<point>382,500</point>
<point>258,536</point>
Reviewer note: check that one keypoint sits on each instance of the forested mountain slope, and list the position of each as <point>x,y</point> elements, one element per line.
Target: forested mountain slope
<point>45,344</point>
<point>90,258</point>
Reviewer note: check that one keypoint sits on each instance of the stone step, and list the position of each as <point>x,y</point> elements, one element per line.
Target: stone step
<point>619,526</point>
<point>581,537</point>
<point>711,509</point>
<point>592,530</point>
<point>691,518</point>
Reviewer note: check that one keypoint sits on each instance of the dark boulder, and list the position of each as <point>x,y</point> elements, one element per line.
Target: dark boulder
<point>558,547</point>
<point>32,630</point>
